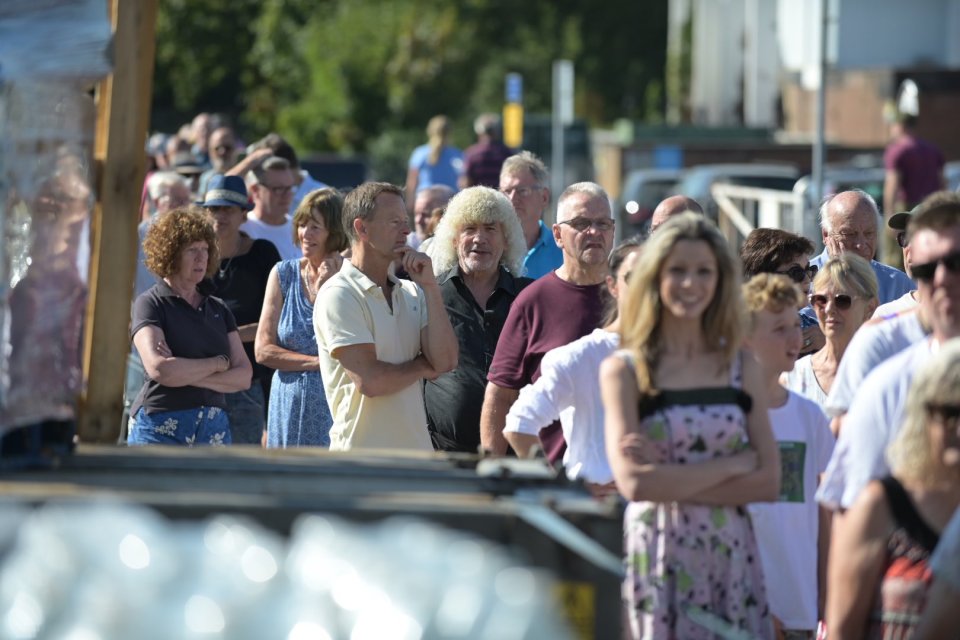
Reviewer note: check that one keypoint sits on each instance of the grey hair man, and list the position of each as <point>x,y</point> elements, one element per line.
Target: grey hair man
<point>379,337</point>
<point>524,180</point>
<point>477,254</point>
<point>433,197</point>
<point>271,186</point>
<point>850,221</point>
<point>560,307</point>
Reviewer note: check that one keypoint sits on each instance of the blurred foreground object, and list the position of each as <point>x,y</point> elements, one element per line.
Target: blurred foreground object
<point>51,53</point>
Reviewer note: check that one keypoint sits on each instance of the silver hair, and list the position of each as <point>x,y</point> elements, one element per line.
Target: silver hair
<point>526,160</point>
<point>864,197</point>
<point>440,190</point>
<point>160,182</point>
<point>589,189</point>
<point>478,205</point>
<point>273,163</point>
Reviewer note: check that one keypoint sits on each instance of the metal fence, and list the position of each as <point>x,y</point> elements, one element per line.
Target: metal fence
<point>743,209</point>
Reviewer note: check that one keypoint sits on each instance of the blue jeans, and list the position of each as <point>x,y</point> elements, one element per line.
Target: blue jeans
<point>200,426</point>
<point>246,412</point>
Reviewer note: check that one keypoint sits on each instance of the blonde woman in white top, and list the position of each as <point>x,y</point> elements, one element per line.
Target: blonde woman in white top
<point>844,297</point>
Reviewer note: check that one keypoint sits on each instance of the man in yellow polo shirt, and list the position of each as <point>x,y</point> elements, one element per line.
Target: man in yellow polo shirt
<point>380,336</point>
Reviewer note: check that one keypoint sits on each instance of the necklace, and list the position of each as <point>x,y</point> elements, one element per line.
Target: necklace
<point>222,271</point>
<point>309,283</point>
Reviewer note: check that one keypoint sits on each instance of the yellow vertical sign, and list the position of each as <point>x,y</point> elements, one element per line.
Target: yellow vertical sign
<point>513,124</point>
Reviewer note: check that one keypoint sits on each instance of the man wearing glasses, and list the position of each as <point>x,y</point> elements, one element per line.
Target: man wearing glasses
<point>877,409</point>
<point>524,179</point>
<point>849,221</point>
<point>272,186</point>
<point>555,310</point>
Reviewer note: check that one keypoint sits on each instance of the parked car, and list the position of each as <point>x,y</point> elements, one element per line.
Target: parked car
<point>698,180</point>
<point>642,192</point>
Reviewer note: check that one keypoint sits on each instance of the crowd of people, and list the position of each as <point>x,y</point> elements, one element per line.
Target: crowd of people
<point>783,427</point>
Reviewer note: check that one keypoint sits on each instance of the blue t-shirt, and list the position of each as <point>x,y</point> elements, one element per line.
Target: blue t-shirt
<point>447,170</point>
<point>544,256</point>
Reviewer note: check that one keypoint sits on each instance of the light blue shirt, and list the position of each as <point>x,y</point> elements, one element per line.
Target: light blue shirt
<point>892,283</point>
<point>544,256</point>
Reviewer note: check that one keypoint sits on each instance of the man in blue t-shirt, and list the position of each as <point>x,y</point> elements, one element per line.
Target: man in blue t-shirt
<point>524,180</point>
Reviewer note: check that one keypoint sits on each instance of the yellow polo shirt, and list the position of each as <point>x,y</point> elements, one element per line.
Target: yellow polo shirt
<point>350,310</point>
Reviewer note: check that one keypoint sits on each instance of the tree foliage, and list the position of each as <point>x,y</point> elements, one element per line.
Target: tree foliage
<point>357,75</point>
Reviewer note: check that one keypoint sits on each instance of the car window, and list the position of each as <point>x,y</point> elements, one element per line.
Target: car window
<point>780,183</point>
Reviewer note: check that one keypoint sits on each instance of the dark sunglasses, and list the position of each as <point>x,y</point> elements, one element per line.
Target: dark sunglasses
<point>841,301</point>
<point>902,239</point>
<point>948,413</point>
<point>798,273</point>
<point>927,270</point>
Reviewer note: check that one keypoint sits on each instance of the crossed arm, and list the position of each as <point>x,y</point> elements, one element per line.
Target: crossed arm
<point>214,373</point>
<point>749,476</point>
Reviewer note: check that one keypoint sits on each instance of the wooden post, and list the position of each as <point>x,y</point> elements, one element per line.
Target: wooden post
<point>123,115</point>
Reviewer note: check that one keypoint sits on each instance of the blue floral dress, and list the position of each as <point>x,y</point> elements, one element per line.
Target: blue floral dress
<point>298,415</point>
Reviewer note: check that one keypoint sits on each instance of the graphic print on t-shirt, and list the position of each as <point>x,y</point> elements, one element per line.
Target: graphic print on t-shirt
<point>792,455</point>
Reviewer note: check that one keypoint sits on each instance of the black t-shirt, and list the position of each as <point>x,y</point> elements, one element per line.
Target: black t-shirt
<point>241,282</point>
<point>454,400</point>
<point>190,333</point>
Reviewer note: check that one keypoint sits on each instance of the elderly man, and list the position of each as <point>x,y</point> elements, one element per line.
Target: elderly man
<point>524,180</point>
<point>272,186</point>
<point>380,337</point>
<point>434,197</point>
<point>477,251</point>
<point>849,221</point>
<point>557,309</point>
<point>877,409</point>
<point>672,206</point>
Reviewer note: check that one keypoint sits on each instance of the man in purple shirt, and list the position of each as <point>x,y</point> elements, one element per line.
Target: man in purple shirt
<point>555,310</point>
<point>483,160</point>
<point>914,170</point>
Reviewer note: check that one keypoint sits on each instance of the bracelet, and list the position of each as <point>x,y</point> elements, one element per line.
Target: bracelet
<point>226,361</point>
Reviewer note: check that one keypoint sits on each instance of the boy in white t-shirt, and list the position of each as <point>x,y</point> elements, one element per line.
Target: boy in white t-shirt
<point>789,532</point>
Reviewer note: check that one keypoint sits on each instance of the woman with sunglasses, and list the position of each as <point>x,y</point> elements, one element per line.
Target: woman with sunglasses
<point>844,297</point>
<point>785,253</point>
<point>879,574</point>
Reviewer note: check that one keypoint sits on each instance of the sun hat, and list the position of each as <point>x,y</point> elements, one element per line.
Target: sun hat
<point>226,191</point>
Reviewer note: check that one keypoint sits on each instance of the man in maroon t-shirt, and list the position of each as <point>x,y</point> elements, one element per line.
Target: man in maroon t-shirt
<point>482,161</point>
<point>914,170</point>
<point>553,311</point>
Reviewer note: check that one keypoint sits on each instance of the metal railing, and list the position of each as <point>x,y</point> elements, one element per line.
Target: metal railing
<point>743,209</point>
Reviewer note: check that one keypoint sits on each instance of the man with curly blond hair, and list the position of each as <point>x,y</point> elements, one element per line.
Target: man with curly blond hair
<point>477,253</point>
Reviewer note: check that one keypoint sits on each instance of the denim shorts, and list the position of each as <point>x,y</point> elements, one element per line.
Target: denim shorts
<point>200,426</point>
<point>246,412</point>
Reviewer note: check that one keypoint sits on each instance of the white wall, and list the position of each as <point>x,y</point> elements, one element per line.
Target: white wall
<point>717,82</point>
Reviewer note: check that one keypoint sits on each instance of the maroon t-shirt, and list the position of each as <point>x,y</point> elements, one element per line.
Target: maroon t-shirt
<point>920,165</point>
<point>547,314</point>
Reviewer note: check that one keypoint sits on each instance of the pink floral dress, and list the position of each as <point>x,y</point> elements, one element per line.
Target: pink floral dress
<point>693,572</point>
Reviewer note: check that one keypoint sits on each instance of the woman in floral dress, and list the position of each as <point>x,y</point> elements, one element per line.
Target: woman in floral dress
<point>689,441</point>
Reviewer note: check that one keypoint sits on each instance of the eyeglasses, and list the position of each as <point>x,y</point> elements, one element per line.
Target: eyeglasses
<point>281,191</point>
<point>223,148</point>
<point>798,273</point>
<point>841,301</point>
<point>947,413</point>
<point>581,224</point>
<point>523,192</point>
<point>902,239</point>
<point>927,270</point>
